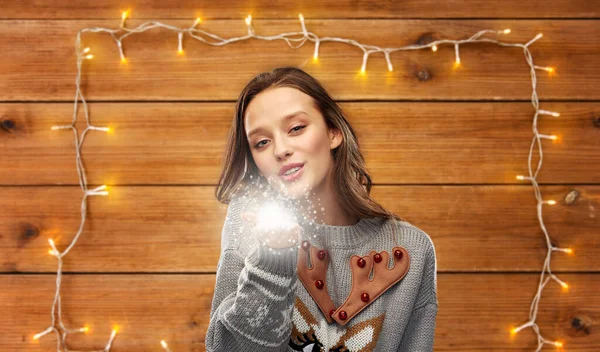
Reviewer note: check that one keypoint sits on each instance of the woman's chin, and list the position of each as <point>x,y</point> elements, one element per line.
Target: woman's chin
<point>293,190</point>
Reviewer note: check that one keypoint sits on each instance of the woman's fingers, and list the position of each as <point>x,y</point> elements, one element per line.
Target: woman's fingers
<point>249,216</point>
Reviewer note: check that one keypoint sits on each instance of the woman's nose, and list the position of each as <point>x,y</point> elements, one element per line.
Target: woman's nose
<point>282,151</point>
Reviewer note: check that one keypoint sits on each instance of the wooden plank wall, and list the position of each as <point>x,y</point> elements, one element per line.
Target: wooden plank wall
<point>444,146</point>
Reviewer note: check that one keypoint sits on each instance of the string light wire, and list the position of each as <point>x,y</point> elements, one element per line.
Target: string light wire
<point>289,38</point>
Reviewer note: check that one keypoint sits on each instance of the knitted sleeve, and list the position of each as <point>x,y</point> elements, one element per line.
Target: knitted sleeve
<point>253,296</point>
<point>420,330</point>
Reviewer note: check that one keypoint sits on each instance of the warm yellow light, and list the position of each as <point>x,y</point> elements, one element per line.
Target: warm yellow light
<point>123,60</point>
<point>248,20</point>
<point>86,50</point>
<point>554,137</point>
<point>36,336</point>
<point>550,69</point>
<point>519,177</point>
<point>434,48</point>
<point>301,17</point>
<point>115,328</point>
<point>180,51</point>
<point>125,14</point>
<point>551,202</point>
<point>506,31</point>
<point>89,56</point>
<point>514,331</point>
<point>458,60</point>
<point>197,21</point>
<point>569,250</point>
<point>558,344</point>
<point>86,328</point>
<point>163,343</point>
<point>51,251</point>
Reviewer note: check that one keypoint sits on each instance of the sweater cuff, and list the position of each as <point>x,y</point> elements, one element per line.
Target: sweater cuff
<point>277,261</point>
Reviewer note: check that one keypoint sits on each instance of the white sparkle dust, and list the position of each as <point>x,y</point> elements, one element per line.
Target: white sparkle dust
<point>271,216</point>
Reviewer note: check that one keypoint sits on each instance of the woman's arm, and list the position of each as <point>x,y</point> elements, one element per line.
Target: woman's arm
<point>420,330</point>
<point>253,299</point>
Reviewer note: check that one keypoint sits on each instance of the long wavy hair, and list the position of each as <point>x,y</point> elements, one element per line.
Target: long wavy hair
<point>351,178</point>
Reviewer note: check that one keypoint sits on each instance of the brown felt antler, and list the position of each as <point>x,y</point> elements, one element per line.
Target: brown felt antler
<point>363,291</point>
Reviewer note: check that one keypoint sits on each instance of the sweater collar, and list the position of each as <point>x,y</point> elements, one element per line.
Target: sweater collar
<point>342,236</point>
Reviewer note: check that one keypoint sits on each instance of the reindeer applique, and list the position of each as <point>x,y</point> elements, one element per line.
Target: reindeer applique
<point>312,334</point>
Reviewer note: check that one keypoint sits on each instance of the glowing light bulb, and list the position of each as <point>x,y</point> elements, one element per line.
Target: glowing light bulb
<point>86,50</point>
<point>249,20</point>
<point>506,31</point>
<point>551,202</point>
<point>569,250</point>
<point>301,17</point>
<point>198,20</point>
<point>89,56</point>
<point>564,285</point>
<point>434,48</point>
<point>554,137</point>
<point>163,343</point>
<point>125,13</point>
<point>558,344</point>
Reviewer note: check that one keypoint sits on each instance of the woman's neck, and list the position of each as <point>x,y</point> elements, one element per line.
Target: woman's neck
<point>329,210</point>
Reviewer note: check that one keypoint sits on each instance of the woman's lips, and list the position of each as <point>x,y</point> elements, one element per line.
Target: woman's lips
<point>293,176</point>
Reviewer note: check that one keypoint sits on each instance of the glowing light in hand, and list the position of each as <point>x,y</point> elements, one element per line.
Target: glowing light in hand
<point>272,216</point>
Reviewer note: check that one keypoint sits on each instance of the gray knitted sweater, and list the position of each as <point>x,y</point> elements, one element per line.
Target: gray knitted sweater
<point>260,304</point>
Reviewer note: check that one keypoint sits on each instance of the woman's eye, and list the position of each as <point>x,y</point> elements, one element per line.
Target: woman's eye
<point>294,129</point>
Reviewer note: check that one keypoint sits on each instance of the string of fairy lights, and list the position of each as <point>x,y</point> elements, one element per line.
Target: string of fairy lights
<point>302,36</point>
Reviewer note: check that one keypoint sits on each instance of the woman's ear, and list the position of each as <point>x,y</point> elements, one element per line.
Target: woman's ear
<point>335,135</point>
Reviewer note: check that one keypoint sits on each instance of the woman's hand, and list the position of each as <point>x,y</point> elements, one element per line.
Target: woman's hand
<point>278,238</point>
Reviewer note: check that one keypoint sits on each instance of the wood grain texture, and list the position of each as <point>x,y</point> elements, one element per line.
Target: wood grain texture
<point>153,9</point>
<point>476,311</point>
<point>403,142</point>
<point>39,62</point>
<point>443,146</point>
<point>177,229</point>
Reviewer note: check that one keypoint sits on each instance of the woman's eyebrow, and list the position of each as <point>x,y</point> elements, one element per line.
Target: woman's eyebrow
<point>284,119</point>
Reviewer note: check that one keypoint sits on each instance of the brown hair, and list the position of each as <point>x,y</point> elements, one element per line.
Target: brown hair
<point>350,173</point>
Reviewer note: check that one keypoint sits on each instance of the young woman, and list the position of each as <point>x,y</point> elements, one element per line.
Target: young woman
<point>343,274</point>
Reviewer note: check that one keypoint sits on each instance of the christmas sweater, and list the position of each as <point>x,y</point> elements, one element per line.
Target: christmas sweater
<point>371,286</point>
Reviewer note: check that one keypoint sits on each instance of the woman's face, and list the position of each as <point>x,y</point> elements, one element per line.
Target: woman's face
<point>283,129</point>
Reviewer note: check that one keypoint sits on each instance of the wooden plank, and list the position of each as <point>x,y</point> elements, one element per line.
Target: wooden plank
<point>475,311</point>
<point>403,143</point>
<point>39,62</point>
<point>111,9</point>
<point>178,229</point>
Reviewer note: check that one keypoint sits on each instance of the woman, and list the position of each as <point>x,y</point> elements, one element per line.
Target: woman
<point>317,283</point>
